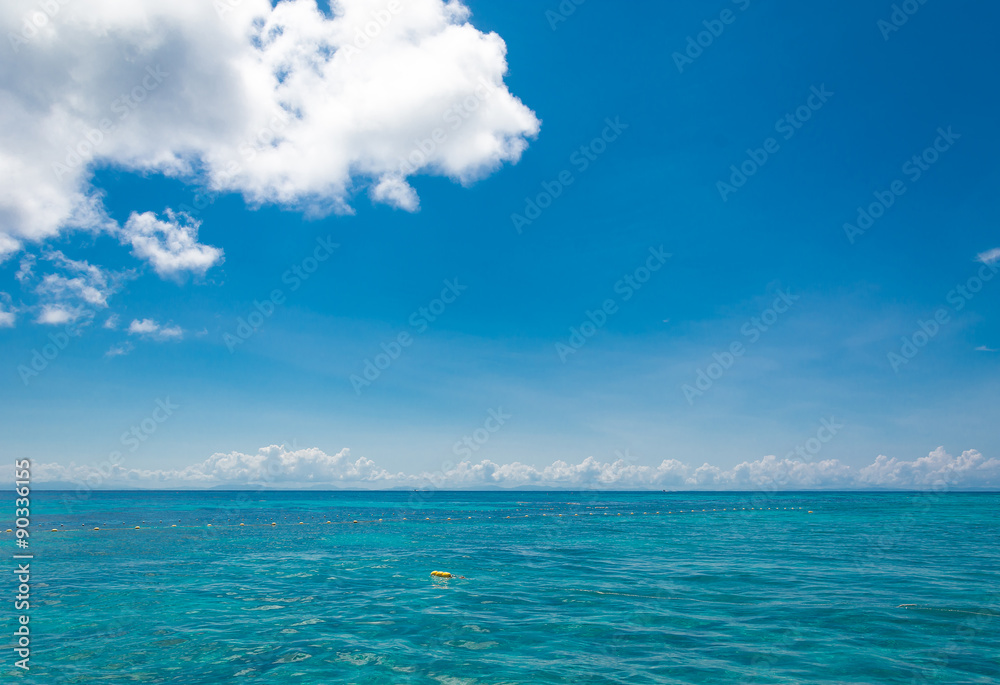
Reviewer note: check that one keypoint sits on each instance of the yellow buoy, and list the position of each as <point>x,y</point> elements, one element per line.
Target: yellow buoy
<point>137,527</point>
<point>96,528</point>
<point>441,574</point>
<point>56,530</point>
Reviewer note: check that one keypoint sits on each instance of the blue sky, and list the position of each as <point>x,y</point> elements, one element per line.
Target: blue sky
<point>654,186</point>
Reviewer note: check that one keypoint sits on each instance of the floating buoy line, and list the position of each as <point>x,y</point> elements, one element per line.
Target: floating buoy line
<point>417,519</point>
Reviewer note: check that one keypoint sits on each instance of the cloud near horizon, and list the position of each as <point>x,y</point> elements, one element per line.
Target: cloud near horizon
<point>276,466</point>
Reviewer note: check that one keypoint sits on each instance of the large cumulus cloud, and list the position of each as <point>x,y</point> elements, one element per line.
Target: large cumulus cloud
<point>281,104</point>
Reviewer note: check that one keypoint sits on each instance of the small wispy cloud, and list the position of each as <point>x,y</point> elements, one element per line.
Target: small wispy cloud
<point>151,330</point>
<point>8,313</point>
<point>80,280</point>
<point>73,290</point>
<point>25,269</point>
<point>119,350</point>
<point>111,322</point>
<point>990,256</point>
<point>983,348</point>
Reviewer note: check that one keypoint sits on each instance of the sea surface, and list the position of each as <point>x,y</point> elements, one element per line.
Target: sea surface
<point>557,588</point>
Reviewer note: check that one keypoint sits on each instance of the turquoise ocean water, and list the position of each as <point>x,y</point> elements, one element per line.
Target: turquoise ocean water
<point>558,588</point>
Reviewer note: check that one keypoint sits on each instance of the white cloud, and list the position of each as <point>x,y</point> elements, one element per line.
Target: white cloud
<point>983,348</point>
<point>971,469</point>
<point>171,246</point>
<point>58,314</point>
<point>86,282</point>
<point>990,256</point>
<point>8,246</point>
<point>275,465</point>
<point>119,350</point>
<point>150,330</point>
<point>7,317</point>
<point>74,293</point>
<point>280,104</point>
<point>25,269</point>
<point>111,322</point>
<point>393,190</point>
